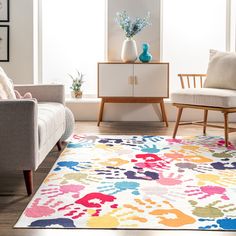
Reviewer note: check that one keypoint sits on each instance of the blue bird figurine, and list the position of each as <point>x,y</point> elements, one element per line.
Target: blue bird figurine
<point>145,56</point>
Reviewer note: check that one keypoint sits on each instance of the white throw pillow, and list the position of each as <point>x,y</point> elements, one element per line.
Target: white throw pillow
<point>6,86</point>
<point>221,71</point>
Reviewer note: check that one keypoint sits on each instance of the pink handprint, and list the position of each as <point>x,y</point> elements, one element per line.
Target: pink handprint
<point>171,179</point>
<point>207,191</point>
<point>57,190</point>
<point>92,200</point>
<point>151,161</point>
<point>46,209</point>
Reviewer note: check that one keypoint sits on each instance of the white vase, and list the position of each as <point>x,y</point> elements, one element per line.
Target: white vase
<point>129,51</point>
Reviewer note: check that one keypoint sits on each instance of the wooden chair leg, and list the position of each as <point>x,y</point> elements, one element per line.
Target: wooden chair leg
<point>177,121</point>
<point>226,129</point>
<point>59,146</point>
<point>101,112</point>
<point>205,121</point>
<point>28,176</point>
<point>164,117</point>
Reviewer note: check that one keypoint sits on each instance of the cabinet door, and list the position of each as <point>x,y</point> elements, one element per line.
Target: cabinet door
<point>113,80</point>
<point>151,80</point>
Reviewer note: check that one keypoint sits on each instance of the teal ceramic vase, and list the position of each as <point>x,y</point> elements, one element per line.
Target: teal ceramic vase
<point>145,56</point>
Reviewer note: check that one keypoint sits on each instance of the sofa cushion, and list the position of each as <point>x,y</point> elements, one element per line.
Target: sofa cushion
<point>221,71</point>
<point>6,86</point>
<point>51,116</point>
<point>205,97</point>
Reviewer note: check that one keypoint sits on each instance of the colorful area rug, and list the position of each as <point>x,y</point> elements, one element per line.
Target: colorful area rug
<point>138,182</point>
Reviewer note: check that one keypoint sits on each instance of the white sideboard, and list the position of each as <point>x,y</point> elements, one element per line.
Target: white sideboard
<point>133,83</point>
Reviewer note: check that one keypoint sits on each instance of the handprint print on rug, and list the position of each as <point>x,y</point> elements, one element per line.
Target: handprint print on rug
<point>117,187</point>
<point>111,172</point>
<point>56,190</point>
<point>206,191</point>
<point>150,148</point>
<point>185,166</point>
<point>227,223</point>
<point>171,179</point>
<point>114,162</point>
<point>37,209</point>
<point>72,165</point>
<point>224,155</point>
<point>170,216</point>
<point>83,177</point>
<point>212,210</point>
<point>167,193</point>
<point>154,139</point>
<point>92,200</point>
<point>111,141</point>
<point>224,179</point>
<point>150,161</point>
<point>119,173</point>
<point>86,138</point>
<point>224,165</point>
<point>61,222</point>
<point>165,213</point>
<point>119,217</point>
<point>140,173</point>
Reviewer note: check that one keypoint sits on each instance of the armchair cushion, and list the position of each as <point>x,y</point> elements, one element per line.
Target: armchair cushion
<point>205,97</point>
<point>221,71</point>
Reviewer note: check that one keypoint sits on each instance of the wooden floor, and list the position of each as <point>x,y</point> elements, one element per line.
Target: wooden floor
<point>13,197</point>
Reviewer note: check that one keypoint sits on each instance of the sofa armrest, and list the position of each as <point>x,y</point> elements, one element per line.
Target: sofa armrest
<point>18,134</point>
<point>44,92</point>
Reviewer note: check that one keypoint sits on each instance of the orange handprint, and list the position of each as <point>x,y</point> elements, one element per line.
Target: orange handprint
<point>165,214</point>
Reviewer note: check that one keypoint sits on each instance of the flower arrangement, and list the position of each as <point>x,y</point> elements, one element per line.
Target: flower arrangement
<point>129,26</point>
<point>76,85</point>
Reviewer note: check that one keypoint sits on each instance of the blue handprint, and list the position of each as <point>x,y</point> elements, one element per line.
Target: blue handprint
<point>64,222</point>
<point>225,224</point>
<point>141,174</point>
<point>78,145</point>
<point>114,188</point>
<point>72,165</point>
<point>149,149</point>
<point>224,166</point>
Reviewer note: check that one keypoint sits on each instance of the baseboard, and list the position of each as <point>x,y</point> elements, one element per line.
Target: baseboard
<point>87,110</point>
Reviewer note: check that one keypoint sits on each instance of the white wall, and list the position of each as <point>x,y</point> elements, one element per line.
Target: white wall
<point>135,8</point>
<point>23,64</point>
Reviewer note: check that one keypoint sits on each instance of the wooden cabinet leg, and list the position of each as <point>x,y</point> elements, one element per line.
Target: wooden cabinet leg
<point>164,117</point>
<point>28,176</point>
<point>205,121</point>
<point>226,129</point>
<point>101,112</point>
<point>177,121</point>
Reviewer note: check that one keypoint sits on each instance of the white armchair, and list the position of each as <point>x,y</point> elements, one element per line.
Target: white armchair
<point>217,93</point>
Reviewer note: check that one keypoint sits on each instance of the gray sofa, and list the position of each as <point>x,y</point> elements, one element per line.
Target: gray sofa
<point>29,128</point>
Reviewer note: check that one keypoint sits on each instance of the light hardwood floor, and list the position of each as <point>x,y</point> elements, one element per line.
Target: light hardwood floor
<point>13,197</point>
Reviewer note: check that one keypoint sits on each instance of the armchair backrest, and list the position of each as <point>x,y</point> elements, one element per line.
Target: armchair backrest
<point>192,80</point>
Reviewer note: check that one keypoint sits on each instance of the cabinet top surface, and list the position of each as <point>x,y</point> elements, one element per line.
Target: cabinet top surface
<point>125,63</point>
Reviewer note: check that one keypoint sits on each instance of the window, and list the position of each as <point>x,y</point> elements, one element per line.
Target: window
<point>73,37</point>
<point>190,29</point>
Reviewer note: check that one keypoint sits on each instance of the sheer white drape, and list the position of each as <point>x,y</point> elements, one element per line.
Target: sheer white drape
<point>190,29</point>
<point>73,33</point>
